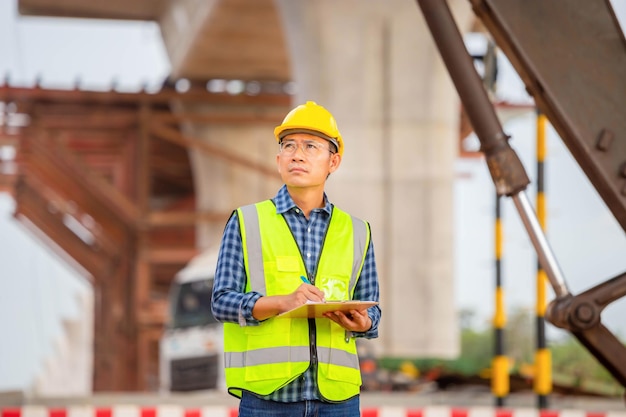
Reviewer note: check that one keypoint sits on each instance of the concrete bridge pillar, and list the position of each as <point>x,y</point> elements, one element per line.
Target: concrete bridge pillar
<point>374,65</point>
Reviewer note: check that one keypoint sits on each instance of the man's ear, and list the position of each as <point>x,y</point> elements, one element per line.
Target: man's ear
<point>335,161</point>
<point>278,162</point>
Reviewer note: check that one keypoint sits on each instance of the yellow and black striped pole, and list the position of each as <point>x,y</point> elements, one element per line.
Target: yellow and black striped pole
<point>500,363</point>
<point>543,359</point>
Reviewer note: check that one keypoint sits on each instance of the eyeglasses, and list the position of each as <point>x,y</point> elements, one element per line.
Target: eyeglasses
<point>309,147</point>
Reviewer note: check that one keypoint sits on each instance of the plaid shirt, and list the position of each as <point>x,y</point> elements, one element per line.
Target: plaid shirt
<point>231,304</point>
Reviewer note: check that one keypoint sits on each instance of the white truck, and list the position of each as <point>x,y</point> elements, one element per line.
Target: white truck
<point>191,349</point>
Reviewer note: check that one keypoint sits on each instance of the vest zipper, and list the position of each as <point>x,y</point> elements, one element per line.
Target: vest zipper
<point>313,346</point>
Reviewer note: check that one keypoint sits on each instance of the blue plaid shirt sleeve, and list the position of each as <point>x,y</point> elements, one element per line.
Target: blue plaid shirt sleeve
<point>230,304</point>
<point>367,288</point>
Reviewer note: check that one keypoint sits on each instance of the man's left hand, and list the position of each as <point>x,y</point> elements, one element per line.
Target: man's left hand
<point>355,320</point>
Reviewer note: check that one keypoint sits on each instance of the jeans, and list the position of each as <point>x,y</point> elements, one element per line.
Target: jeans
<point>252,406</point>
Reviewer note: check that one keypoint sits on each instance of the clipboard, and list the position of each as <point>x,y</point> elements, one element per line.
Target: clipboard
<point>317,309</point>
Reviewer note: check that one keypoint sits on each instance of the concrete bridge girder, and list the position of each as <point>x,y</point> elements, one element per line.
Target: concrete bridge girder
<point>231,39</point>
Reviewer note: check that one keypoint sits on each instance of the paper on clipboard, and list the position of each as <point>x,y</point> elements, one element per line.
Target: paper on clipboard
<point>317,309</point>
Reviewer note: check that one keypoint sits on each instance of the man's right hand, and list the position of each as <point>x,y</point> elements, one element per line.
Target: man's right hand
<point>270,306</point>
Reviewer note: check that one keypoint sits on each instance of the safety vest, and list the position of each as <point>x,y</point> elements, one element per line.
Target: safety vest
<point>264,358</point>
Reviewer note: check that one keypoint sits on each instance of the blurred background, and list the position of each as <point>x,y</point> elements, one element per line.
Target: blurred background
<point>207,83</point>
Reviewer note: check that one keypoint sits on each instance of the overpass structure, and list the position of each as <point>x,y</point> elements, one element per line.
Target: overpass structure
<point>149,179</point>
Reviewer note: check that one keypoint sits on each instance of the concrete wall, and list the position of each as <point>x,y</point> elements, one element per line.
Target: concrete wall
<point>68,371</point>
<point>222,186</point>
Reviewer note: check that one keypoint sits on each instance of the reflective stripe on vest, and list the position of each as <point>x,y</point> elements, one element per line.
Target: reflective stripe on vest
<point>254,260</point>
<point>298,354</point>
<point>266,357</point>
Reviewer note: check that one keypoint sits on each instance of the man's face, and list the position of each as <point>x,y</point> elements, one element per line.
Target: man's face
<point>305,160</point>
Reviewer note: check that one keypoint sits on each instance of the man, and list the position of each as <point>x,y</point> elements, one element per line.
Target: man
<point>280,254</point>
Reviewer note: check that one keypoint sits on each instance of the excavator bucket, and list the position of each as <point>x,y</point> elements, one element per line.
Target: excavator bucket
<point>571,56</point>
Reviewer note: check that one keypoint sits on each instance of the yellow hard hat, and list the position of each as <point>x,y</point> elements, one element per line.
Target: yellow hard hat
<point>311,118</point>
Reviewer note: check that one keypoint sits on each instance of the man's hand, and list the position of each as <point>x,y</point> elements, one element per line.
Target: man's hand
<point>355,320</point>
<point>304,293</point>
<point>270,306</point>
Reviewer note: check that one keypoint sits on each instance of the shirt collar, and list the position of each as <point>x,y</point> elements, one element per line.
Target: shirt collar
<point>284,202</point>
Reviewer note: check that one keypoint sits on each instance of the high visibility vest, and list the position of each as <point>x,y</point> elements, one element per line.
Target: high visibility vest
<point>264,358</point>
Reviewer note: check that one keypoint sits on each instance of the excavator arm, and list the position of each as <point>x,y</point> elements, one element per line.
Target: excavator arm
<point>572,58</point>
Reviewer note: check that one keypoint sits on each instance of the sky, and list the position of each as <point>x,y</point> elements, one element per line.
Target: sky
<point>41,289</point>
<point>129,53</point>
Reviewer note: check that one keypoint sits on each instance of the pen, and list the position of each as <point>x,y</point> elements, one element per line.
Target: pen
<point>306,281</point>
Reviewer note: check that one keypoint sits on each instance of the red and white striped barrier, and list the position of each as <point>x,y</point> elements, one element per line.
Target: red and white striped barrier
<point>225,411</point>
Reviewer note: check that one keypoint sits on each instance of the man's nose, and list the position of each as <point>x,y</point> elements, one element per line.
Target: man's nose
<point>299,149</point>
